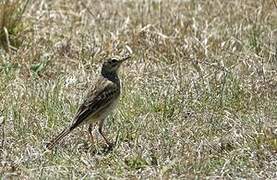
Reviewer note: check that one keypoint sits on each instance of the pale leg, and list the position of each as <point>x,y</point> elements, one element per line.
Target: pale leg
<point>90,133</point>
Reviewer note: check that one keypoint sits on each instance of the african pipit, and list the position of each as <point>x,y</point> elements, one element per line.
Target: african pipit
<point>99,102</point>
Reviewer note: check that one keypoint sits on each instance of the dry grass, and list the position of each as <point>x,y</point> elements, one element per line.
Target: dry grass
<point>199,95</point>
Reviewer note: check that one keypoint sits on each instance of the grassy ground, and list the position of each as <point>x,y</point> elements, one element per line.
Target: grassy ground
<point>199,95</point>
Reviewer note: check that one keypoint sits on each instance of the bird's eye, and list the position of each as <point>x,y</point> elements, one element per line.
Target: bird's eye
<point>114,60</point>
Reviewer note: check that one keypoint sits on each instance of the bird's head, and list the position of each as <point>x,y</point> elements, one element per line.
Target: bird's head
<point>111,65</point>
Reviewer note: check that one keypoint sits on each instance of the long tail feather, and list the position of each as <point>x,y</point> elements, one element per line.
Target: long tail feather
<point>58,138</point>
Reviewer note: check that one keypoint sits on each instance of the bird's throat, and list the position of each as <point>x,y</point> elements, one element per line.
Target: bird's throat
<point>112,76</point>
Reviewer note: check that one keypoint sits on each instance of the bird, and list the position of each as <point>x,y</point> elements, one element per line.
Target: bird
<point>99,102</point>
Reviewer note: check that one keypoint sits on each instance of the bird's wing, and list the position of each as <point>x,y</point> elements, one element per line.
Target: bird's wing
<point>100,97</point>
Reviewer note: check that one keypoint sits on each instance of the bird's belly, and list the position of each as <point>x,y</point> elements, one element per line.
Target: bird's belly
<point>103,113</point>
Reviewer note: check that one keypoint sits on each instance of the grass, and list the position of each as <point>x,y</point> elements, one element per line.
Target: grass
<point>198,100</point>
<point>11,25</point>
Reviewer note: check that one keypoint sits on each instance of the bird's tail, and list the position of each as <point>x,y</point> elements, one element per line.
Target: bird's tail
<point>54,141</point>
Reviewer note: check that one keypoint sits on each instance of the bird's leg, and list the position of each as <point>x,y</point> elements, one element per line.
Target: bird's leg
<point>90,133</point>
<point>101,133</point>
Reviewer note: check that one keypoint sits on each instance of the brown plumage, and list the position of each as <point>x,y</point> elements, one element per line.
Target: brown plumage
<point>99,102</point>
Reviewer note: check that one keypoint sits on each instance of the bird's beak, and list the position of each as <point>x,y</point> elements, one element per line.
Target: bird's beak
<point>125,58</point>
